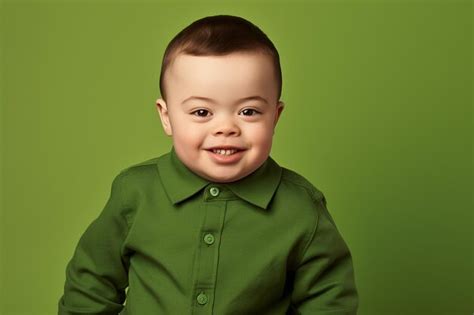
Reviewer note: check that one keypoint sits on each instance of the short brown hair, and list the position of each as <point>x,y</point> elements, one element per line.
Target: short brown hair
<point>220,35</point>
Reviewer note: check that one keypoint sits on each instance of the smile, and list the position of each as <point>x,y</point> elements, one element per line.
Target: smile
<point>224,152</point>
<point>226,156</point>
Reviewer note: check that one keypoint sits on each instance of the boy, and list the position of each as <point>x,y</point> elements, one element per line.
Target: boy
<point>215,226</point>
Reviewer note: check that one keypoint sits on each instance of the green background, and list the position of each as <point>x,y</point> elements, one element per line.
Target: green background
<point>378,116</point>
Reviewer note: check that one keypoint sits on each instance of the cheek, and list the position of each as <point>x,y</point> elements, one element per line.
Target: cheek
<point>192,137</point>
<point>186,134</point>
<point>261,134</point>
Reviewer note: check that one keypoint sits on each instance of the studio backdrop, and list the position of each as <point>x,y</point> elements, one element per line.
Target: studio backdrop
<point>378,116</point>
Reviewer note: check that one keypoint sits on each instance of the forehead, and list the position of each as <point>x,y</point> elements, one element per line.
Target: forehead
<point>225,77</point>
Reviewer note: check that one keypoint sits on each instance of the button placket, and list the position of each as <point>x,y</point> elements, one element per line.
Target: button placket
<point>206,262</point>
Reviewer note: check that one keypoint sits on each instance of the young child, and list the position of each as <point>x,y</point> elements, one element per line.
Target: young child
<point>214,226</point>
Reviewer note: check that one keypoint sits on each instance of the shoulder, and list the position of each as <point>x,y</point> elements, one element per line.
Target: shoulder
<point>302,204</point>
<point>298,184</point>
<point>299,196</point>
<point>318,203</point>
<point>140,168</point>
<point>302,197</point>
<point>138,174</point>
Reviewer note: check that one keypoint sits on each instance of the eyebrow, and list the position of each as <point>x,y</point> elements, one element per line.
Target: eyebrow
<point>245,99</point>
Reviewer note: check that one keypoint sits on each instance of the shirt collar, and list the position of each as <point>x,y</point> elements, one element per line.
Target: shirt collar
<point>181,183</point>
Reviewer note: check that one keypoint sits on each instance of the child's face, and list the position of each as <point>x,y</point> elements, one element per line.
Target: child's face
<point>198,125</point>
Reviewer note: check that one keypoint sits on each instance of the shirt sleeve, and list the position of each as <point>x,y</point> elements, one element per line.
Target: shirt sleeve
<point>97,274</point>
<point>324,282</point>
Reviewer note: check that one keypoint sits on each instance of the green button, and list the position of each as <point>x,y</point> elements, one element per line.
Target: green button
<point>202,298</point>
<point>209,239</point>
<point>214,191</point>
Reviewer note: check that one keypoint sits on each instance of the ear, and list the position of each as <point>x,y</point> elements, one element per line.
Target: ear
<point>280,107</point>
<point>165,120</point>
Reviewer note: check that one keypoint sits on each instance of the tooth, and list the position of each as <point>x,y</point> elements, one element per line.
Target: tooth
<point>224,152</point>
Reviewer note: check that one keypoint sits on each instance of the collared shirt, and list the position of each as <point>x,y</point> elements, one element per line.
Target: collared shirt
<point>171,242</point>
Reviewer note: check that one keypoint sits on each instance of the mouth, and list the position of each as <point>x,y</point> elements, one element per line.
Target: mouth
<point>226,151</point>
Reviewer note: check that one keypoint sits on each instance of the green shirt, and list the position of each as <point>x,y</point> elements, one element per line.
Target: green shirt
<point>170,242</point>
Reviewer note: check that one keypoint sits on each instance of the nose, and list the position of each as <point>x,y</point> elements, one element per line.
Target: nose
<point>227,127</point>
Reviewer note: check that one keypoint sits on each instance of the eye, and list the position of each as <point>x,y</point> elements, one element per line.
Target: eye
<point>250,111</point>
<point>200,112</point>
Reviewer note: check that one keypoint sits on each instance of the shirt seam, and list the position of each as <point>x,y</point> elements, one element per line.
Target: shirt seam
<point>310,190</point>
<point>338,311</point>
<point>168,193</point>
<point>312,235</point>
<point>126,216</point>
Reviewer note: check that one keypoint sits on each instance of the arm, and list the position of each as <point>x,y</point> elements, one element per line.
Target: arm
<point>324,280</point>
<point>97,274</point>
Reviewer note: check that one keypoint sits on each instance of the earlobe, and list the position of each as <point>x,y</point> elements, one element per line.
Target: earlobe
<point>162,108</point>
